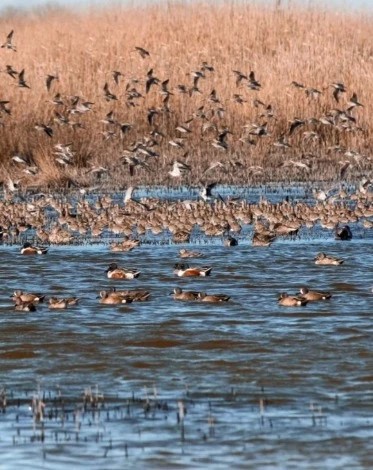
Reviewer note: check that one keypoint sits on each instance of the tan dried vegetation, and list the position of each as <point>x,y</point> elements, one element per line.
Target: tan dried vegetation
<point>297,116</point>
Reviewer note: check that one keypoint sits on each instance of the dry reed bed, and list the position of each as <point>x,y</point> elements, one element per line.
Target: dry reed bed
<point>310,46</point>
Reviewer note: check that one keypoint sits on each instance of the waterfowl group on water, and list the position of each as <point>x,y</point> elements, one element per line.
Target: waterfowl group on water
<point>300,300</point>
<point>25,301</point>
<point>217,218</point>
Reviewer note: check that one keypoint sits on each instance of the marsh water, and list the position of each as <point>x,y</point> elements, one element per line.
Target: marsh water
<point>167,384</point>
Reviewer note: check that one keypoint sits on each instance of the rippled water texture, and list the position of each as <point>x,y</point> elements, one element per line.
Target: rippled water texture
<point>264,386</point>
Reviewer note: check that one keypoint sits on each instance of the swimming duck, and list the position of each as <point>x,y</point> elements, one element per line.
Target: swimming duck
<point>179,294</point>
<point>322,258</point>
<point>27,296</point>
<point>113,298</point>
<point>114,272</point>
<point>183,253</point>
<point>28,249</point>
<point>134,294</point>
<point>183,270</point>
<point>291,301</point>
<point>55,303</point>
<point>344,233</point>
<point>203,297</point>
<point>311,295</point>
<point>24,306</point>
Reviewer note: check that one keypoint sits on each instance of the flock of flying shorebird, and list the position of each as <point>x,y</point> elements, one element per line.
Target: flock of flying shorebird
<point>207,123</point>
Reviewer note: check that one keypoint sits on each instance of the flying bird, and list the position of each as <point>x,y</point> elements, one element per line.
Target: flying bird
<point>49,80</point>
<point>353,102</point>
<point>10,71</point>
<point>179,169</point>
<point>43,127</point>
<point>108,95</point>
<point>338,88</point>
<point>152,80</point>
<point>21,79</point>
<point>3,107</point>
<point>143,52</point>
<point>8,43</point>
<point>116,74</point>
<point>205,193</point>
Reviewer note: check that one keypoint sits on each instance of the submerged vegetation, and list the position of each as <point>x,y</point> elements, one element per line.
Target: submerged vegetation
<point>191,93</point>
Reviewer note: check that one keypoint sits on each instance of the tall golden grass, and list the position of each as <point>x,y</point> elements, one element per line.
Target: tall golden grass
<point>281,45</point>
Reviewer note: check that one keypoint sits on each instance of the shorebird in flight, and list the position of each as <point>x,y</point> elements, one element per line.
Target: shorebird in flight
<point>152,80</point>
<point>338,88</point>
<point>108,95</point>
<point>21,79</point>
<point>116,74</point>
<point>143,52</point>
<point>43,127</point>
<point>239,76</point>
<point>10,71</point>
<point>205,193</point>
<point>49,80</point>
<point>354,102</point>
<point>253,83</point>
<point>8,43</point>
<point>3,107</point>
<point>179,169</point>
